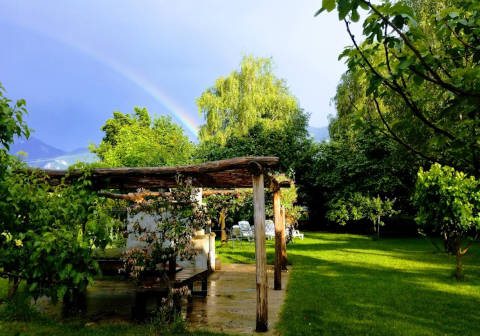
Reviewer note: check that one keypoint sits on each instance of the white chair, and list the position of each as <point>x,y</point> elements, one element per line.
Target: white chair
<point>235,234</point>
<point>269,229</point>
<point>297,234</point>
<point>246,230</point>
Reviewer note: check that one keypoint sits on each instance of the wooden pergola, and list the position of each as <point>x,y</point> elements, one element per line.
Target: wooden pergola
<point>243,172</point>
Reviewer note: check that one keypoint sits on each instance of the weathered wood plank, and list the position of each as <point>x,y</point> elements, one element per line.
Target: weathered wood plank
<point>260,252</point>
<point>229,173</point>
<point>277,277</point>
<point>283,240</point>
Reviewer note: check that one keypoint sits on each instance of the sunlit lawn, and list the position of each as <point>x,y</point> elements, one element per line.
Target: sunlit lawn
<point>344,285</point>
<point>352,285</point>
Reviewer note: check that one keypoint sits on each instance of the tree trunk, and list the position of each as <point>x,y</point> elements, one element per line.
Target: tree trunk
<point>378,227</point>
<point>74,303</point>
<point>459,268</point>
<point>13,289</point>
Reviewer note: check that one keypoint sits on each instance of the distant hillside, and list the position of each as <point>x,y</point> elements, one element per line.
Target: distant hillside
<point>41,155</point>
<point>63,161</point>
<point>35,148</point>
<point>319,133</point>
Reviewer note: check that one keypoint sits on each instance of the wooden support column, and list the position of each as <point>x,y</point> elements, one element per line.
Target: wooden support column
<point>260,250</point>
<point>277,279</point>
<point>284,243</point>
<point>222,226</point>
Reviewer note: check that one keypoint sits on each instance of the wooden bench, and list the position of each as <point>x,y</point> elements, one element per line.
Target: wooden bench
<point>158,289</point>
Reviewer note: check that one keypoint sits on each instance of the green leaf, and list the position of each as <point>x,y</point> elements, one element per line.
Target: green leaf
<point>318,12</point>
<point>328,5</point>
<point>61,291</point>
<point>375,82</point>
<point>344,7</point>
<point>418,79</point>
<point>355,16</point>
<point>364,5</point>
<point>404,64</point>
<point>33,286</point>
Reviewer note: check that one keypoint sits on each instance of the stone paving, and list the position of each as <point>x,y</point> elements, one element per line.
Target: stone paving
<point>230,306</point>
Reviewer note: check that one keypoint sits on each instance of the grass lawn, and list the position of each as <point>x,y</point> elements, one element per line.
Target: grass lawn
<point>353,285</point>
<point>345,285</point>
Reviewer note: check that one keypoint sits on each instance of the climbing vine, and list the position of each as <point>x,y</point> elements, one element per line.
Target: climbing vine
<point>176,216</point>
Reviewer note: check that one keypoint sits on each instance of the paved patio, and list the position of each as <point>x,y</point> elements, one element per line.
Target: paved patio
<point>230,305</point>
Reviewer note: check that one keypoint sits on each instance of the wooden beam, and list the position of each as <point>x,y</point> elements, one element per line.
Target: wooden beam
<point>277,278</point>
<point>283,240</point>
<point>231,173</point>
<point>273,181</point>
<point>260,251</point>
<point>134,196</point>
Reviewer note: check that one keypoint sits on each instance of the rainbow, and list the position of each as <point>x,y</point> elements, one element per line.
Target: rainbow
<point>132,76</point>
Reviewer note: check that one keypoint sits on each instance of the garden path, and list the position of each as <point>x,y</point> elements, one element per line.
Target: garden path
<point>230,304</point>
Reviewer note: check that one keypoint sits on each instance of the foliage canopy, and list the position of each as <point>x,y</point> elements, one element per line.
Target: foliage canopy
<point>135,140</point>
<point>418,67</point>
<point>448,204</point>
<point>244,99</point>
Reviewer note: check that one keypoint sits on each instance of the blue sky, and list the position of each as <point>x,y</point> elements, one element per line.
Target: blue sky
<point>77,61</point>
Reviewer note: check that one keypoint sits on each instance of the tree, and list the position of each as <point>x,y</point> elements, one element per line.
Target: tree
<point>251,112</point>
<point>11,125</point>
<point>419,67</point>
<point>138,141</point>
<point>289,143</point>
<point>47,234</point>
<point>245,99</point>
<point>11,120</point>
<point>357,206</point>
<point>449,205</point>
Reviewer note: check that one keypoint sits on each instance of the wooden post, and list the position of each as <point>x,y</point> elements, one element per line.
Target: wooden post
<point>277,279</point>
<point>284,243</point>
<point>222,226</point>
<point>260,251</point>
<point>172,264</point>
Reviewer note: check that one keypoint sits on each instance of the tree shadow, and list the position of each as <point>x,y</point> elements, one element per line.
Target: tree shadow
<point>376,292</point>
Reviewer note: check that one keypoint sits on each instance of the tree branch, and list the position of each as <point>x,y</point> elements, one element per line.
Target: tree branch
<point>416,111</point>
<point>465,250</point>
<point>468,45</point>
<point>435,75</point>
<point>439,64</point>
<point>396,137</point>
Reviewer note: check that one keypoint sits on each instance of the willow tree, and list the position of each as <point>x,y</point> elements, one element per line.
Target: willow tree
<point>247,97</point>
<point>252,112</point>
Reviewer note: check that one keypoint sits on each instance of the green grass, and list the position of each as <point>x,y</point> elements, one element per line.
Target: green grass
<point>353,285</point>
<point>344,285</point>
<point>46,327</point>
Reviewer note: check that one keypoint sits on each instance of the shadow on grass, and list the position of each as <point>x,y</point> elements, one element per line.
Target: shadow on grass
<point>356,286</point>
<point>345,284</point>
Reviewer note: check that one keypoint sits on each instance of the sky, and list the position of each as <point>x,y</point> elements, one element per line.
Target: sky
<point>75,62</point>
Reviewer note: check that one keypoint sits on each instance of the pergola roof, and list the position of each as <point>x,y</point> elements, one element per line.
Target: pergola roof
<point>230,173</point>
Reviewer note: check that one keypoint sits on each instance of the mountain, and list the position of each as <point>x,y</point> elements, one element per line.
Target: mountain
<point>35,148</point>
<point>42,155</point>
<point>319,133</point>
<point>64,161</point>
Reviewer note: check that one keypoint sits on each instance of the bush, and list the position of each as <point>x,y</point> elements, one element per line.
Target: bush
<point>448,204</point>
